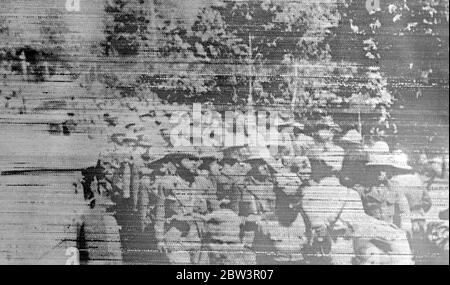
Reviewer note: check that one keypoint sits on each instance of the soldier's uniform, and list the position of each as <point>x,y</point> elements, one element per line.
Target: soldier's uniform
<point>229,187</point>
<point>333,210</point>
<point>380,199</point>
<point>178,226</point>
<point>281,233</point>
<point>355,159</point>
<point>381,243</point>
<point>231,182</point>
<point>414,189</point>
<point>257,197</point>
<point>384,203</point>
<point>412,186</point>
<point>280,244</point>
<point>223,243</point>
<point>302,144</point>
<point>339,209</point>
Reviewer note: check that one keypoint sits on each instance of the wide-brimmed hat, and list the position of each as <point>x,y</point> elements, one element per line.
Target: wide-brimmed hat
<point>130,137</point>
<point>379,160</point>
<point>146,171</point>
<point>379,147</point>
<point>257,153</point>
<point>399,160</point>
<point>352,136</point>
<point>158,159</point>
<point>239,151</point>
<point>287,119</point>
<point>379,154</point>
<point>328,123</point>
<point>145,144</point>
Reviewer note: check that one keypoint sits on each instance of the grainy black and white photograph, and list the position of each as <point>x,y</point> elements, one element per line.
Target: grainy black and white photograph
<point>224,132</point>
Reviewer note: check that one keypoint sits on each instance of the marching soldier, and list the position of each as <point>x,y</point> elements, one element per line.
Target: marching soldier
<point>411,185</point>
<point>325,130</point>
<point>290,144</point>
<point>209,172</point>
<point>178,223</point>
<point>257,197</point>
<point>231,181</point>
<point>281,236</point>
<point>279,228</point>
<point>337,218</point>
<point>353,166</point>
<point>330,208</point>
<point>379,198</point>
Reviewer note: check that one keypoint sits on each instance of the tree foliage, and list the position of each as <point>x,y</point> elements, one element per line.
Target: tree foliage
<point>236,47</point>
<point>408,41</point>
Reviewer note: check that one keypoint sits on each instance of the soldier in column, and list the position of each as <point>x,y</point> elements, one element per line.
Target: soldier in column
<point>353,166</point>
<point>337,219</point>
<point>325,130</point>
<point>286,124</point>
<point>282,235</point>
<point>182,225</point>
<point>404,180</point>
<point>209,173</point>
<point>380,200</point>
<point>233,173</point>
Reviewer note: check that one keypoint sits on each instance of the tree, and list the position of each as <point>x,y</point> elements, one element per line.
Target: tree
<point>408,41</point>
<point>43,42</point>
<point>234,49</point>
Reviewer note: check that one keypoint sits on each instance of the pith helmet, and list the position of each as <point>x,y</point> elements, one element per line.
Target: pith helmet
<point>379,155</point>
<point>352,136</point>
<point>400,160</point>
<point>327,122</point>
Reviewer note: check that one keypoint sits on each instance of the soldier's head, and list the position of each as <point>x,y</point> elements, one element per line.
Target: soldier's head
<point>326,129</point>
<point>234,159</point>
<point>436,166</point>
<point>186,164</point>
<point>378,173</point>
<point>352,140</point>
<point>210,164</point>
<point>233,165</point>
<point>301,165</point>
<point>379,163</point>
<point>259,168</point>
